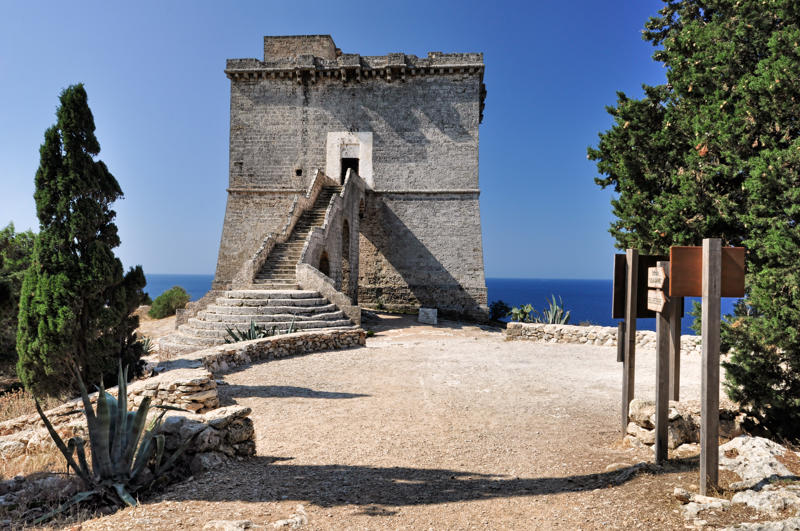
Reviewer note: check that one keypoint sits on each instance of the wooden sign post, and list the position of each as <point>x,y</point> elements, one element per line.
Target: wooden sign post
<point>657,278</point>
<point>632,262</point>
<point>710,272</point>
<point>709,392</point>
<point>629,302</point>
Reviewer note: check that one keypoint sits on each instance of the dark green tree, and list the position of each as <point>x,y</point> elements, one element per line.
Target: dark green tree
<point>16,249</point>
<point>715,152</point>
<point>75,305</point>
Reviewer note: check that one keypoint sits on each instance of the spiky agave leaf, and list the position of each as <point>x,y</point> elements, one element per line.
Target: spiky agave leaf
<point>100,438</point>
<point>79,497</point>
<point>60,444</point>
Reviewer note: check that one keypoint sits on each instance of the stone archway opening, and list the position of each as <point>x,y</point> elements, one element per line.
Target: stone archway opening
<point>324,264</point>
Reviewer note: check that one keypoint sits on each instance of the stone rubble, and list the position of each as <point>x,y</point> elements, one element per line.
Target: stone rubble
<point>767,485</point>
<point>591,335</point>
<point>683,426</point>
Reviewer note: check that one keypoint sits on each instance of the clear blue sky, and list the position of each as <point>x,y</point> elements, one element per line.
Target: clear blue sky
<point>154,75</point>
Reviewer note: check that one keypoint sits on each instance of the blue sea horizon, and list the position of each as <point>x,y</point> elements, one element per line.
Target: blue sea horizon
<point>588,300</point>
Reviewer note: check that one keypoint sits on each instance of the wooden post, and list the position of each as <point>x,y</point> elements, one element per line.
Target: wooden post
<point>675,348</point>
<point>709,422</point>
<point>621,341</point>
<point>663,340</point>
<point>632,262</point>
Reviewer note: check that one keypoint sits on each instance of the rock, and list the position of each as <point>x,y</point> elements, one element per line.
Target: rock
<point>753,459</point>
<point>189,429</point>
<point>790,524</point>
<point>228,525</point>
<point>11,449</point>
<point>682,495</point>
<point>193,406</point>
<point>645,436</point>
<point>687,450</point>
<point>208,439</point>
<point>172,424</point>
<point>220,418</point>
<point>240,430</point>
<point>771,499</point>
<point>207,461</point>
<point>201,396</point>
<point>297,519</point>
<point>640,411</point>
<point>428,316</point>
<point>679,431</point>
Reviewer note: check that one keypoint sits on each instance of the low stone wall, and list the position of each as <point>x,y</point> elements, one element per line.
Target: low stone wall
<point>187,383</point>
<point>590,335</point>
<point>225,357</point>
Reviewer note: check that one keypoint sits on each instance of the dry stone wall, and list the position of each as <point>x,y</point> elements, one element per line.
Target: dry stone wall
<point>591,335</point>
<point>187,383</point>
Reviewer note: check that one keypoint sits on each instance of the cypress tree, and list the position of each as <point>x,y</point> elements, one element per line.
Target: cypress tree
<point>715,152</point>
<point>75,303</point>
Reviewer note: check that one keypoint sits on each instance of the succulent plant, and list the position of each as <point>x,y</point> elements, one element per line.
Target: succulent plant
<point>254,332</point>
<point>121,448</point>
<point>555,314</point>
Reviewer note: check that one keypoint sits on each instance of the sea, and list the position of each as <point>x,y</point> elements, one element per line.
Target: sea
<point>589,301</point>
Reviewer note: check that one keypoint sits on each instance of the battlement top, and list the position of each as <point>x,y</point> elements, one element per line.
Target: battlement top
<point>317,55</point>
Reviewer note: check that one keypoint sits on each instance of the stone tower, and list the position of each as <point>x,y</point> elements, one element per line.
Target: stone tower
<point>404,127</point>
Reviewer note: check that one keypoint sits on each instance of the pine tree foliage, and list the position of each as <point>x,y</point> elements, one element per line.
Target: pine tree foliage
<point>715,152</point>
<point>16,249</point>
<point>75,304</point>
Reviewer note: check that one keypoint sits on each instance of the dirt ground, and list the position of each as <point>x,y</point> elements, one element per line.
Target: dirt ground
<point>437,427</point>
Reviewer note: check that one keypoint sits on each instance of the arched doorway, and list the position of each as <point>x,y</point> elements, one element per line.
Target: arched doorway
<point>324,264</point>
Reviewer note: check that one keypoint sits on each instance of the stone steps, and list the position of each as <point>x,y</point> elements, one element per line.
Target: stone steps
<point>281,309</point>
<point>233,303</point>
<point>267,313</point>
<point>221,333</point>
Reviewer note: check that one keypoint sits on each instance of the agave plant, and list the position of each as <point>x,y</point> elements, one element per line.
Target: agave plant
<point>254,332</point>
<point>121,448</point>
<point>555,314</point>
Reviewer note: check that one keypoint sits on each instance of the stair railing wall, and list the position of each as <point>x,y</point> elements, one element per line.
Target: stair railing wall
<point>328,238</point>
<point>246,274</point>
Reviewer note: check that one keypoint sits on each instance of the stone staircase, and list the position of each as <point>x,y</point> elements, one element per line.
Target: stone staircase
<point>276,300</point>
<point>281,309</point>
<point>278,271</point>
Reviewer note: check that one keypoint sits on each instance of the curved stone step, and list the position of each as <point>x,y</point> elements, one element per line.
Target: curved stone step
<point>218,310</point>
<point>298,325</point>
<point>253,303</point>
<point>261,320</point>
<point>260,294</point>
<point>221,312</point>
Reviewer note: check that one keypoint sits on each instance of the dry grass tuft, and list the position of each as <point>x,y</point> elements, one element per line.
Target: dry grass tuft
<point>48,459</point>
<point>20,402</point>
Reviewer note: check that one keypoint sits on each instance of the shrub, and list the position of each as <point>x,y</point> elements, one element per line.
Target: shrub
<point>524,314</point>
<point>169,301</point>
<point>498,310</point>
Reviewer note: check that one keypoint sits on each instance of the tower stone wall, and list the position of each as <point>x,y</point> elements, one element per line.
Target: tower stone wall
<point>416,120</point>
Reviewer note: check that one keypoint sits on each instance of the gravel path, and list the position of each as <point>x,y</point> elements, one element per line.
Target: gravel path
<point>446,427</point>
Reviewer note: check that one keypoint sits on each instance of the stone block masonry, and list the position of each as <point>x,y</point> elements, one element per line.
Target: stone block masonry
<point>420,235</point>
